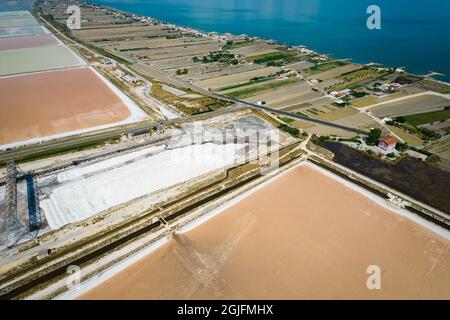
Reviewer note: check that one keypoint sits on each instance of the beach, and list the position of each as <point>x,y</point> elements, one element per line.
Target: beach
<point>305,235</point>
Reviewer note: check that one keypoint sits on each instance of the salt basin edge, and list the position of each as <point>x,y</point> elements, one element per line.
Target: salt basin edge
<point>321,247</point>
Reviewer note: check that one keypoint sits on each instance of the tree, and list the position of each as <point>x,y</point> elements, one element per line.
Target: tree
<point>400,119</point>
<point>391,155</point>
<point>373,137</point>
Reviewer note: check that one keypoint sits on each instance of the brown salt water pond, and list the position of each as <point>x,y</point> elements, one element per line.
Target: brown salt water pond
<point>305,235</point>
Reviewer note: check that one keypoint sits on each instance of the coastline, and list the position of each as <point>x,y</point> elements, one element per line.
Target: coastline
<point>289,44</point>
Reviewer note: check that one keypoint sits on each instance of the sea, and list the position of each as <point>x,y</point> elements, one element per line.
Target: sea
<point>414,34</point>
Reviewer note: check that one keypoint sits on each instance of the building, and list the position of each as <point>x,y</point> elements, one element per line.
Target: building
<point>387,143</point>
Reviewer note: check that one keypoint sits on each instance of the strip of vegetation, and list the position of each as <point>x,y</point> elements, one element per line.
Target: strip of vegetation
<point>325,66</point>
<point>235,45</point>
<point>291,130</point>
<point>253,91</point>
<point>271,57</point>
<point>302,114</point>
<point>221,56</point>
<point>287,119</point>
<point>425,118</point>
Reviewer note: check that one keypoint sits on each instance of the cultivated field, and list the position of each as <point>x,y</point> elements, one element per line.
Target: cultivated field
<point>56,102</point>
<point>122,32</point>
<point>409,138</point>
<point>233,79</point>
<point>334,73</point>
<point>175,52</point>
<point>418,104</point>
<point>327,233</point>
<point>255,49</point>
<point>300,66</point>
<point>149,43</point>
<point>166,64</point>
<point>213,70</point>
<point>286,96</point>
<point>441,148</point>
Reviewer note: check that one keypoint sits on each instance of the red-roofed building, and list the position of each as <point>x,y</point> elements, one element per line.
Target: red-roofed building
<point>387,143</point>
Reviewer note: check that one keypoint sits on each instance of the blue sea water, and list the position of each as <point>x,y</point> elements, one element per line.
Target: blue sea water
<point>415,33</point>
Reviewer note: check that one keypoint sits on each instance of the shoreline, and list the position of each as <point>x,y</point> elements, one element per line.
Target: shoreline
<point>288,44</point>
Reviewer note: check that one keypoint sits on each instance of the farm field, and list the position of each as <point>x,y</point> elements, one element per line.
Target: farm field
<point>317,102</point>
<point>409,138</point>
<point>54,105</point>
<point>322,67</point>
<point>411,105</point>
<point>37,59</point>
<point>441,148</point>
<point>253,49</point>
<point>429,117</point>
<point>234,79</point>
<point>300,66</point>
<point>286,96</point>
<point>335,72</point>
<point>175,52</point>
<point>372,100</point>
<point>103,34</point>
<point>167,64</point>
<point>358,78</point>
<point>263,87</point>
<point>205,71</point>
<point>131,45</point>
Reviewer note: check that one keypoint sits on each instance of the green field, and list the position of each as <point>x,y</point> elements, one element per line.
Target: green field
<point>353,80</point>
<point>429,117</point>
<point>325,67</point>
<point>231,46</point>
<point>269,57</point>
<point>253,91</point>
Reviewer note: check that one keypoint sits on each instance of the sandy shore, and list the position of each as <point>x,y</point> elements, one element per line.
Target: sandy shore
<point>305,235</point>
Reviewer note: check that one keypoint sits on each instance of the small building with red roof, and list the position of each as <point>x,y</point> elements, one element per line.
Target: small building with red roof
<point>387,143</point>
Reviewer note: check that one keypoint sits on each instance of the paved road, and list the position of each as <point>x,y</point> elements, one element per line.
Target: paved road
<point>164,77</point>
<point>74,141</point>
